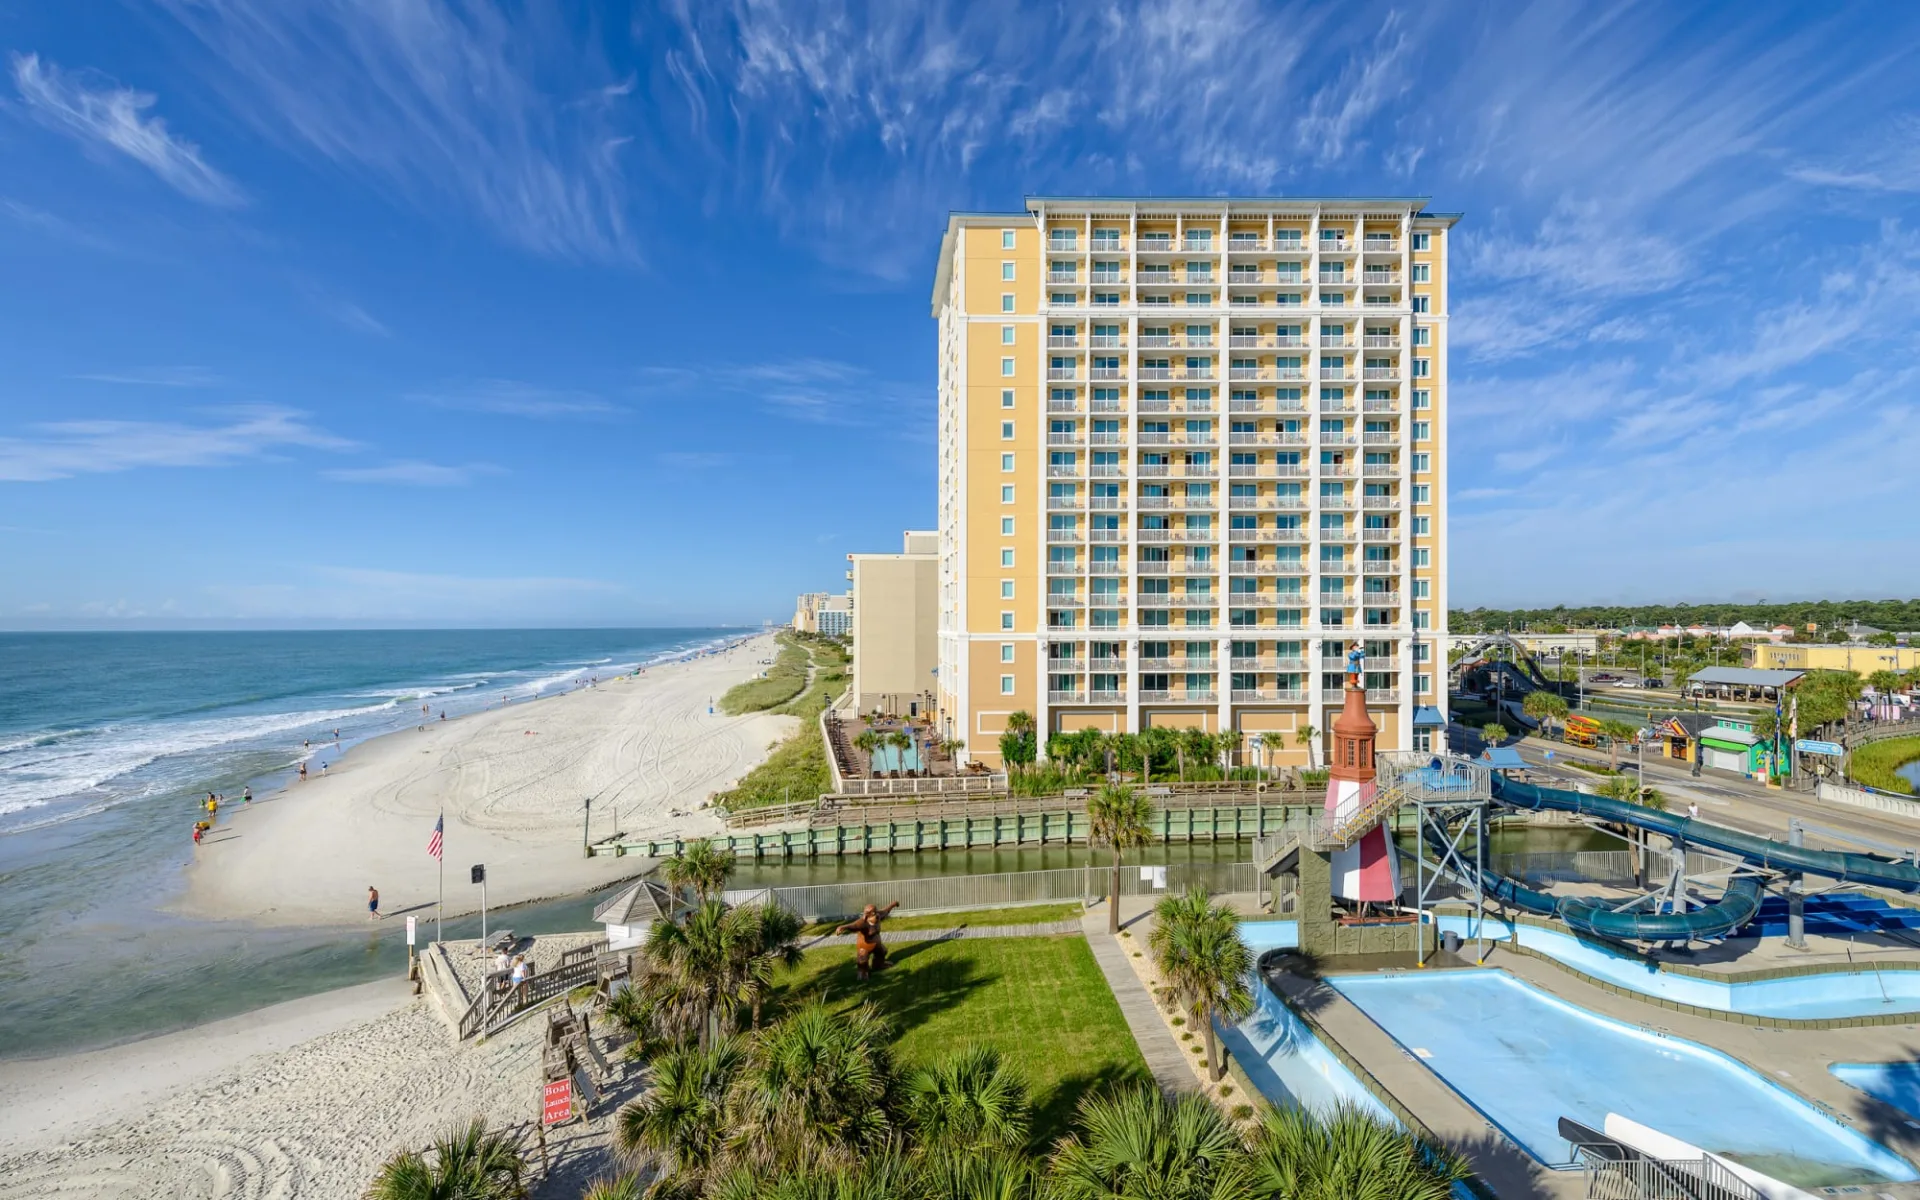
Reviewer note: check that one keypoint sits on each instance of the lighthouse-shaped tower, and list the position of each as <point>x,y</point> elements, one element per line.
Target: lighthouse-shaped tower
<point>1366,869</point>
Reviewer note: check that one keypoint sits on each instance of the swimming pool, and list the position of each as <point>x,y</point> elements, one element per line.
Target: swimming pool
<point>1804,997</point>
<point>1897,1083</point>
<point>1525,1059</point>
<point>892,758</point>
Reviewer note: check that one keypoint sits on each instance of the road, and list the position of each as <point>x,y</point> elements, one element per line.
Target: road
<point>1723,799</point>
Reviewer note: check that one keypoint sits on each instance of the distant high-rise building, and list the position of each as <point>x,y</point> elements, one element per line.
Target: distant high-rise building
<point>1191,451</point>
<point>895,621</point>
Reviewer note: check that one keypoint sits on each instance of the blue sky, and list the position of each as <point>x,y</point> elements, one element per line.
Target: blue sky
<point>395,310</point>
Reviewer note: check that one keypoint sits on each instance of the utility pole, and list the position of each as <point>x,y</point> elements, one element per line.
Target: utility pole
<point>586,823</point>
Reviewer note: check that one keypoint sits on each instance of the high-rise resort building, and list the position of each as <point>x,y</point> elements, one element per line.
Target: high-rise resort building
<point>1191,452</point>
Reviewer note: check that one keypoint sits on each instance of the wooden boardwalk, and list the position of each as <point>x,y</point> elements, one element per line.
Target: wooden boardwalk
<point>1157,1045</point>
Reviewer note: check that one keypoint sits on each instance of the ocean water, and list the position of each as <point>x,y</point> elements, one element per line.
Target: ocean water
<point>108,739</point>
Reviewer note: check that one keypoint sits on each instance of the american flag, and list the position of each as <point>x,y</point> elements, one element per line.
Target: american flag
<point>433,843</point>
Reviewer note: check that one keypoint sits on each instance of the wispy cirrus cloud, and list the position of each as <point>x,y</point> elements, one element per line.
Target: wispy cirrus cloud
<point>411,472</point>
<point>168,377</point>
<point>512,398</point>
<point>64,449</point>
<point>102,115</point>
<point>506,114</point>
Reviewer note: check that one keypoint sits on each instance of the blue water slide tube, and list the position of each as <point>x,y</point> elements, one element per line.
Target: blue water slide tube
<point>1755,850</point>
<point>1730,912</point>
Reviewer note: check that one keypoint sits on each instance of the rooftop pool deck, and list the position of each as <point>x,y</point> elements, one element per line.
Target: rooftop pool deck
<point>1524,1059</point>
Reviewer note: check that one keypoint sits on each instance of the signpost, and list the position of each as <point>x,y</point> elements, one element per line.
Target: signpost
<point>1831,749</point>
<point>479,875</point>
<point>411,968</point>
<point>556,1102</point>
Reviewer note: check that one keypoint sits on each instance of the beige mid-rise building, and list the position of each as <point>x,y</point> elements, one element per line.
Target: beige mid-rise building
<point>1191,452</point>
<point>895,625</point>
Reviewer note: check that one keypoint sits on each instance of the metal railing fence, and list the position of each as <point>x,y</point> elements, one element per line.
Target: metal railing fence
<point>827,901</point>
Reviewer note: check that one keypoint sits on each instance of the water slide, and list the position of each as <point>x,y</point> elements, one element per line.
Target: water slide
<point>1730,912</point>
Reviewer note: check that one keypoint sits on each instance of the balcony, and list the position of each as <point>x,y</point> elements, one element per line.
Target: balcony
<point>1063,373</point>
<point>1098,373</point>
<point>1242,244</point>
<point>1247,374</point>
<point>1371,534</point>
<point>1375,243</point>
<point>1374,276</point>
<point>1153,374</point>
<point>1200,471</point>
<point>1107,502</point>
<point>1178,664</point>
<point>1291,536</point>
<point>1177,535</point>
<point>1064,439</point>
<point>1185,697</point>
<point>1066,697</point>
<point>1065,666</point>
<point>1065,600</point>
<point>1100,567</point>
<point>1064,471</point>
<point>1239,503</point>
<point>1335,246</point>
<point>1063,277</point>
<point>1064,503</point>
<point>1379,438</point>
<point>1380,470</point>
<point>1270,665</point>
<point>1110,406</point>
<point>1106,244</point>
<point>1065,535</point>
<point>1288,374</point>
<point>1161,567</point>
<point>1107,470</point>
<point>1057,341</point>
<point>1381,341</point>
<point>1106,697</point>
<point>1107,439</point>
<point>1380,502</point>
<point>1383,374</point>
<point>1380,599</point>
<point>1378,404</point>
<point>1063,406</point>
<point>1382,695</point>
<point>1338,439</point>
<point>1269,696</point>
<point>1063,567</point>
<point>1336,375</point>
<point>1106,341</point>
<point>1266,567</point>
<point>1335,342</point>
<point>1108,278</point>
<point>1059,245</point>
<point>1107,535</point>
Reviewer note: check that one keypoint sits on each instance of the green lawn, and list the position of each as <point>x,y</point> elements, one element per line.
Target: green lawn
<point>1028,914</point>
<point>1041,1001</point>
<point>784,680</point>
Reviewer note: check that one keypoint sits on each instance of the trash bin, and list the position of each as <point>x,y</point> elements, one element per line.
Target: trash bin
<point>1450,942</point>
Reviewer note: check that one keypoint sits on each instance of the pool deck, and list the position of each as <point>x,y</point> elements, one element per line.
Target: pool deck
<point>1795,1059</point>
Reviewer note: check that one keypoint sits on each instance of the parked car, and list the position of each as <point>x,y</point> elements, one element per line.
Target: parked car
<point>1604,677</point>
<point>1650,681</point>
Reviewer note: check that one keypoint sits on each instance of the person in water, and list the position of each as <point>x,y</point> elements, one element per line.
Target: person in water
<point>869,955</point>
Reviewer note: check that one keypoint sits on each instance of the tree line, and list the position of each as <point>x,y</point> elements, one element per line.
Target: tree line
<point>1900,615</point>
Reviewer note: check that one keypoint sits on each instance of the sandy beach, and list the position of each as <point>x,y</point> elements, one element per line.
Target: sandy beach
<point>298,1100</point>
<point>513,783</point>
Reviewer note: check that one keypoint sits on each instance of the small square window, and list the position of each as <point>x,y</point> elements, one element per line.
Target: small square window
<point>1423,431</point>
<point>1006,397</point>
<point>1422,463</point>
<point>1422,273</point>
<point>1006,620</point>
<point>1422,557</point>
<point>1006,685</point>
<point>1006,431</point>
<point>1006,494</point>
<point>1423,683</point>
<point>1006,272</point>
<point>1422,620</point>
<point>1422,304</point>
<point>1422,493</point>
<point>1006,556</point>
<point>1006,367</point>
<point>1006,302</point>
<point>1006,462</point>
<point>1006,526</point>
<point>1006,589</point>
<point>1423,335</point>
<point>1422,368</point>
<point>1422,526</point>
<point>1006,652</point>
<point>1422,398</point>
<point>1006,335</point>
<point>1006,239</point>
<point>1422,589</point>
<point>1422,241</point>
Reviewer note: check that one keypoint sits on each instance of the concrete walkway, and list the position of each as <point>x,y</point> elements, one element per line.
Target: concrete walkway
<point>1157,1045</point>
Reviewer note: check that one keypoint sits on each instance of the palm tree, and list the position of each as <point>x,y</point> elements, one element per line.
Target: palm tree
<point>969,1101</point>
<point>701,970</point>
<point>1616,731</point>
<point>468,1161</point>
<point>1016,744</point>
<point>1493,733</point>
<point>682,1116</point>
<point>1138,1144</point>
<point>702,866</point>
<point>817,1090</point>
<point>1347,1153</point>
<point>1196,945</point>
<point>1308,737</point>
<point>614,1187</point>
<point>1227,746</point>
<point>1544,707</point>
<point>866,742</point>
<point>1119,820</point>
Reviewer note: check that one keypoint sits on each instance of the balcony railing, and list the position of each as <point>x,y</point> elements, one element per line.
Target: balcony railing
<point>1185,697</point>
<point>1064,471</point>
<point>1380,469</point>
<point>1336,375</point>
<point>1063,373</point>
<point>1066,697</point>
<point>1063,406</point>
<point>1380,599</point>
<point>1065,666</point>
<point>1065,535</point>
<point>1107,470</point>
<point>1266,567</point>
<point>1267,535</point>
<point>1371,534</point>
<point>1064,502</point>
<point>1108,502</point>
<point>1057,341</point>
<point>1193,665</point>
<point>1335,342</point>
<point>1106,697</point>
<point>1379,404</point>
<point>1381,341</point>
<point>1107,373</point>
<point>1245,245</point>
<point>1098,567</point>
<point>1270,665</point>
<point>1335,246</point>
<point>1269,696</point>
<point>1380,277</point>
<point>1338,439</point>
<point>1380,501</point>
<point>1375,243</point>
<point>1063,567</point>
<point>1106,341</point>
<point>1381,373</point>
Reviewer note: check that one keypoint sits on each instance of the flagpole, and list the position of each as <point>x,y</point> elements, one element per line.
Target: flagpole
<point>440,910</point>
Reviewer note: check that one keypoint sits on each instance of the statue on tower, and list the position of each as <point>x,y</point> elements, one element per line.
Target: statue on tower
<point>1356,663</point>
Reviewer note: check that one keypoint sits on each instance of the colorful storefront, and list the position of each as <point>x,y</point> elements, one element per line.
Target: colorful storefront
<point>1726,747</point>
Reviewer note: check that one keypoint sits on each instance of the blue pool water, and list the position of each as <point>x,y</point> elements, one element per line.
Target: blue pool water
<point>1524,1059</point>
<point>1897,1083</point>
<point>889,758</point>
<point>1866,993</point>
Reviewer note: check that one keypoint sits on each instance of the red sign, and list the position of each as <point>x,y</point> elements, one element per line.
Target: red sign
<point>556,1102</point>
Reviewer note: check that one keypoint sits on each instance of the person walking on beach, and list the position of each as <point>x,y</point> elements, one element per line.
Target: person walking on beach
<point>373,903</point>
<point>246,794</point>
<point>303,772</point>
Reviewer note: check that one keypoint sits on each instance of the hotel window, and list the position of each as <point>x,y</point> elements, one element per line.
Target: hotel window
<point>1006,462</point>
<point>1422,398</point>
<point>1006,589</point>
<point>1422,652</point>
<point>1006,302</point>
<point>1422,368</point>
<point>1006,651</point>
<point>1006,558</point>
<point>1423,335</point>
<point>1422,526</point>
<point>1006,494</point>
<point>1006,685</point>
<point>1006,272</point>
<point>1006,367</point>
<point>1332,299</point>
<point>1422,304</point>
<point>1006,620</point>
<point>1423,431</point>
<point>1006,335</point>
<point>1422,493</point>
<point>1006,526</point>
<point>1422,557</point>
<point>1006,239</point>
<point>1422,620</point>
<point>1422,273</point>
<point>1422,241</point>
<point>1422,463</point>
<point>1006,397</point>
<point>1422,589</point>
<point>1006,431</point>
<point>1423,683</point>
